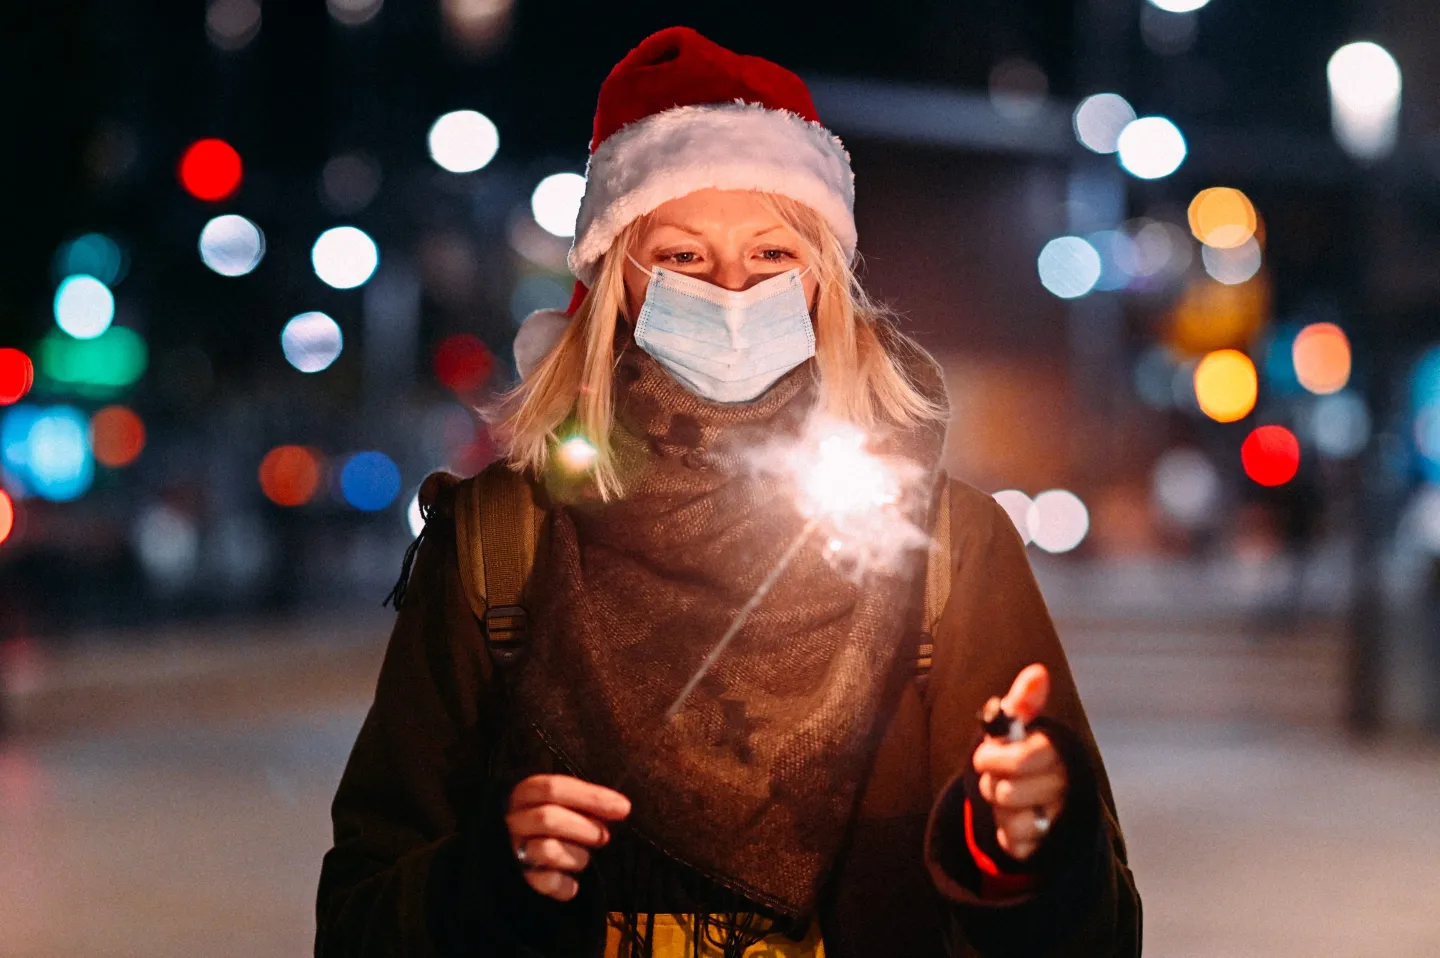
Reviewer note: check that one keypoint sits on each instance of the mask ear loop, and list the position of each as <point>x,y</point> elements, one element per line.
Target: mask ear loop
<point>640,266</point>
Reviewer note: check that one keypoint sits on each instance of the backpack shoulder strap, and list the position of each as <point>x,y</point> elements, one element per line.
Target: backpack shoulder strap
<point>937,578</point>
<point>497,527</point>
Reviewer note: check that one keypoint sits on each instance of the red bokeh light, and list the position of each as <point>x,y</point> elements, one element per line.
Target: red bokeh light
<point>290,475</point>
<point>17,375</point>
<point>1271,455</point>
<point>463,363</point>
<point>210,170</point>
<point>117,435</point>
<point>7,515</point>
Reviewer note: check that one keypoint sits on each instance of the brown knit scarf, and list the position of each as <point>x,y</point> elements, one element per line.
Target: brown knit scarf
<point>754,782</point>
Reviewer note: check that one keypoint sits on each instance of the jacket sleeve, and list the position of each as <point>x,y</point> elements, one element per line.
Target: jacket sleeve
<point>421,863</point>
<point>1083,901</point>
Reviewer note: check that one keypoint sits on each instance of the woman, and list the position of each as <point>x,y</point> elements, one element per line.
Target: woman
<point>517,789</point>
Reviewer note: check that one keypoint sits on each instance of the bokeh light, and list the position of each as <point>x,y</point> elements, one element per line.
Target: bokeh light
<point>1017,506</point>
<point>414,517</point>
<point>1118,259</point>
<point>1058,520</point>
<point>167,542</point>
<point>345,257</point>
<point>1069,267</point>
<point>1186,487</point>
<point>1222,217</point>
<point>555,204</point>
<point>1321,354</point>
<point>1365,86</point>
<point>1233,266</point>
<point>210,170</point>
<point>1017,89</point>
<point>1425,403</point>
<point>290,475</point>
<point>353,13</point>
<point>463,141</point>
<point>48,451</point>
<point>1226,385</point>
<point>1271,455</point>
<point>350,181</point>
<point>463,363</point>
<point>93,254</point>
<point>311,342</point>
<point>1210,315</point>
<point>97,367</point>
<point>84,306</point>
<point>1151,148</point>
<point>17,375</point>
<point>1339,425</point>
<point>231,245</point>
<point>577,454</point>
<point>117,436</point>
<point>1179,6</point>
<point>7,515</point>
<point>231,24</point>
<point>1099,119</point>
<point>369,481</point>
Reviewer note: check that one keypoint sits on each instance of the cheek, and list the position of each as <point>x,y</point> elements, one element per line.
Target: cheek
<point>635,288</point>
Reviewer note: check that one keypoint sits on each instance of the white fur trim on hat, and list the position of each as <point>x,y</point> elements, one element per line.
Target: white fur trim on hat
<point>537,335</point>
<point>727,146</point>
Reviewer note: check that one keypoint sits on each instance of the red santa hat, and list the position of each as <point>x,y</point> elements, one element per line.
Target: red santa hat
<point>681,113</point>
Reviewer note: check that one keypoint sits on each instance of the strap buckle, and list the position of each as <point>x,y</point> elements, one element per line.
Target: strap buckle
<point>507,631</point>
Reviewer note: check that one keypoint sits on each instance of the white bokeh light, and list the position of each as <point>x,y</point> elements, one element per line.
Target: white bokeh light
<point>1186,487</point>
<point>345,257</point>
<point>1058,520</point>
<point>556,202</point>
<point>1179,6</point>
<point>1151,147</point>
<point>1017,506</point>
<point>1099,119</point>
<point>463,141</point>
<point>84,306</point>
<point>311,342</point>
<point>1365,87</point>
<point>1069,267</point>
<point>414,518</point>
<point>231,245</point>
<point>1233,266</point>
<point>1340,425</point>
<point>352,13</point>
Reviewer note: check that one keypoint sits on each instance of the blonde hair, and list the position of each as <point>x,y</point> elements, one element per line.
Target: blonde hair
<point>864,373</point>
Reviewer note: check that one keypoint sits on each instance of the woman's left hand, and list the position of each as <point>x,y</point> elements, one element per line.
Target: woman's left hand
<point>1023,781</point>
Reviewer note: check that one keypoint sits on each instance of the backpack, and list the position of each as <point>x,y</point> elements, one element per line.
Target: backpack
<point>498,525</point>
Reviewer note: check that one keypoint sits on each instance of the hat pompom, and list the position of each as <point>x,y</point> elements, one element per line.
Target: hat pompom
<point>538,334</point>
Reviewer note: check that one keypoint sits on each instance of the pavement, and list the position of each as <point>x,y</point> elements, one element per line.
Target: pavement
<point>169,798</point>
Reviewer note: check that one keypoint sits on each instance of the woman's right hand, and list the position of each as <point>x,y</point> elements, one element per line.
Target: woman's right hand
<point>556,819</point>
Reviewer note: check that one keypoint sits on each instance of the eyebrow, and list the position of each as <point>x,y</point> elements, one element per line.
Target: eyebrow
<point>685,229</point>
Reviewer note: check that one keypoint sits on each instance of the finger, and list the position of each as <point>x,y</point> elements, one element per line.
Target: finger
<point>1025,792</point>
<point>1027,695</point>
<point>1019,824</point>
<point>553,821</point>
<point>553,884</point>
<point>1033,755</point>
<point>594,800</point>
<point>552,853</point>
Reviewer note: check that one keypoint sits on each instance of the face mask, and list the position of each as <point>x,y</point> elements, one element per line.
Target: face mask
<point>725,346</point>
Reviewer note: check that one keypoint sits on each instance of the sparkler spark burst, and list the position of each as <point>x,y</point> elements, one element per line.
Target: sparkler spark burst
<point>844,479</point>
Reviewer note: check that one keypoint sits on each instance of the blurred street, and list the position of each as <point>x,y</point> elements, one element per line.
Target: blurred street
<point>184,811</point>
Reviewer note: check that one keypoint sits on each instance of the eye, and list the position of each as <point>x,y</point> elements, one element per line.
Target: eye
<point>777,255</point>
<point>683,257</point>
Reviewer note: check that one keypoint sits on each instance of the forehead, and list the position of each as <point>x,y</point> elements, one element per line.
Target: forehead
<point>715,212</point>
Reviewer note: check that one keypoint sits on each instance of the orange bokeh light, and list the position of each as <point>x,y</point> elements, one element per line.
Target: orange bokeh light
<point>117,435</point>
<point>1322,358</point>
<point>7,515</point>
<point>1226,385</point>
<point>290,475</point>
<point>1222,217</point>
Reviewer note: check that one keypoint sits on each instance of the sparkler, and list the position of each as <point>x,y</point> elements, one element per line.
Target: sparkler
<point>839,485</point>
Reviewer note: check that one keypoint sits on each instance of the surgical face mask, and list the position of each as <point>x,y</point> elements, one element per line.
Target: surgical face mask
<point>725,346</point>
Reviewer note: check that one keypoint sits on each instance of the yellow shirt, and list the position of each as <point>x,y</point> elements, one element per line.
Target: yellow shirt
<point>672,937</point>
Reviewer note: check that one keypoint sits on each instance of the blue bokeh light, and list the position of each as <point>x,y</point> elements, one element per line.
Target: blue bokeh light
<point>47,451</point>
<point>369,481</point>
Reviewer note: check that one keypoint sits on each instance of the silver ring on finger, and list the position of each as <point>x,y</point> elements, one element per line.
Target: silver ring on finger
<point>522,855</point>
<point>1042,821</point>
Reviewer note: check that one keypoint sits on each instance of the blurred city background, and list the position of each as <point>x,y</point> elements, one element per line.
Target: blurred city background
<point>262,261</point>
